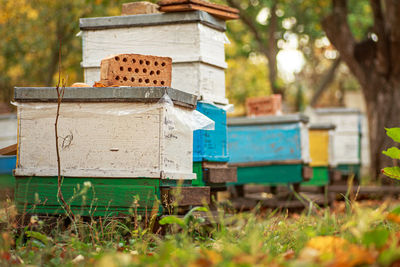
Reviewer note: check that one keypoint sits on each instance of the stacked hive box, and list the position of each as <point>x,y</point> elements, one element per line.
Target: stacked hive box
<point>347,140</point>
<point>321,154</point>
<point>8,136</point>
<point>121,148</point>
<point>195,41</point>
<point>269,150</point>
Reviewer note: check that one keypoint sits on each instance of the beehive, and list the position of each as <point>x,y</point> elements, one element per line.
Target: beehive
<point>136,70</point>
<point>321,153</point>
<point>347,141</point>
<point>106,132</point>
<point>194,40</point>
<point>269,149</point>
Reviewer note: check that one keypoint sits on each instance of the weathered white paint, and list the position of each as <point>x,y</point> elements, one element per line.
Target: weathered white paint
<point>197,52</point>
<point>305,143</point>
<point>104,140</point>
<point>181,42</point>
<point>203,80</point>
<point>8,130</point>
<point>331,149</point>
<point>345,122</point>
<point>346,148</point>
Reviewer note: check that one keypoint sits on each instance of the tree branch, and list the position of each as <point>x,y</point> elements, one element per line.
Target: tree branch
<point>383,46</point>
<point>393,29</point>
<point>252,27</point>
<point>325,81</point>
<point>339,34</point>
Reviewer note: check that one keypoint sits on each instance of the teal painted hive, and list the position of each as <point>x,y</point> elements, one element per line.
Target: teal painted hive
<point>269,150</point>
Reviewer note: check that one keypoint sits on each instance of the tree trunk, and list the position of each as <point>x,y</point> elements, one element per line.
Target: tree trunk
<point>376,66</point>
<point>383,112</point>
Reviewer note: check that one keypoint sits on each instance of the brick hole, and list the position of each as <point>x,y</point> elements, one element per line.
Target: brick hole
<point>137,70</point>
<point>158,72</point>
<point>140,80</point>
<point>155,81</point>
<point>121,68</point>
<point>144,70</point>
<point>140,62</point>
<point>147,62</point>
<point>156,63</point>
<point>117,77</point>
<point>151,72</point>
<point>132,79</point>
<point>163,64</point>
<point>147,80</point>
<point>162,82</point>
<point>125,60</point>
<point>117,58</point>
<point>133,60</point>
<point>129,69</point>
<point>125,79</point>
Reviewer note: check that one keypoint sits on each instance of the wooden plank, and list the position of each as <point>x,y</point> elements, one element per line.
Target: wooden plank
<point>307,173</point>
<point>265,163</point>
<point>9,150</point>
<point>186,196</point>
<point>381,190</point>
<point>188,7</point>
<point>220,175</point>
<point>199,2</point>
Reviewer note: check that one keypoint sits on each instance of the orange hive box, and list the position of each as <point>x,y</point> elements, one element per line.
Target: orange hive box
<point>266,105</point>
<point>136,70</point>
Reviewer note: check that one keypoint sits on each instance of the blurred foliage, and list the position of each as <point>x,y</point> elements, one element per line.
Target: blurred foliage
<point>31,31</point>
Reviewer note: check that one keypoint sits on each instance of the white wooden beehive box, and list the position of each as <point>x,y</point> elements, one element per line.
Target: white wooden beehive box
<point>8,130</point>
<point>194,40</point>
<point>347,139</point>
<point>105,132</point>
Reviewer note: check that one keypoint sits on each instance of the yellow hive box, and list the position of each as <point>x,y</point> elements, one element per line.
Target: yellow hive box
<point>320,138</point>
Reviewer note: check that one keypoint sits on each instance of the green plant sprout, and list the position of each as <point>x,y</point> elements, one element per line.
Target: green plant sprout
<point>394,153</point>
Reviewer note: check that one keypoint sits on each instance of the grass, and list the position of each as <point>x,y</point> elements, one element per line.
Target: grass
<point>349,234</point>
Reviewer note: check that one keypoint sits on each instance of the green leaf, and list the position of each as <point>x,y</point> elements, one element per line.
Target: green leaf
<point>393,133</point>
<point>392,172</point>
<point>172,220</point>
<point>396,210</point>
<point>392,152</point>
<point>39,236</point>
<point>377,237</point>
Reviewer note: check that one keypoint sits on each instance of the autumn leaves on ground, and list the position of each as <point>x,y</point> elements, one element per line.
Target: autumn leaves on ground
<point>348,234</point>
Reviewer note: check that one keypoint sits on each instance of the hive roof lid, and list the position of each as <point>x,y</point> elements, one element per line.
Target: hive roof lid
<point>105,94</point>
<point>152,20</point>
<point>273,119</point>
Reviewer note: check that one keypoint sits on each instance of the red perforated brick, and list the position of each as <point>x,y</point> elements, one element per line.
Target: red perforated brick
<point>136,70</point>
<point>266,105</point>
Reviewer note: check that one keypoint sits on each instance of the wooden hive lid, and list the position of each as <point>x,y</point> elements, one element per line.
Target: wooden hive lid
<point>152,20</point>
<point>272,119</point>
<point>105,94</point>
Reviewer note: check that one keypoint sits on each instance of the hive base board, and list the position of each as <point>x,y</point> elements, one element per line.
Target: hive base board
<point>348,170</point>
<point>214,174</point>
<point>270,175</point>
<point>320,177</point>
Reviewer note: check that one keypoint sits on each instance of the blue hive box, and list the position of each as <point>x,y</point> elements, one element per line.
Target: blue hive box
<point>269,149</point>
<point>211,145</point>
